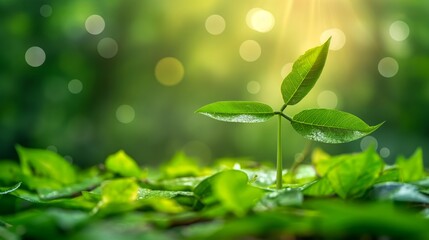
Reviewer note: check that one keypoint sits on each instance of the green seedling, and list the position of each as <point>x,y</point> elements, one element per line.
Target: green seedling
<point>321,125</point>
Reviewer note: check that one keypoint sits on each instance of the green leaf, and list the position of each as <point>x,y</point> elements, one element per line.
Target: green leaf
<point>411,169</point>
<point>389,174</point>
<point>145,193</point>
<point>231,189</point>
<point>178,184</point>
<point>330,126</point>
<point>323,162</point>
<point>356,173</point>
<point>6,190</point>
<point>119,191</point>
<point>123,165</point>
<point>10,172</point>
<point>181,165</point>
<point>320,188</point>
<point>305,72</point>
<point>235,194</point>
<point>238,111</point>
<point>281,198</point>
<point>46,164</point>
<point>69,190</point>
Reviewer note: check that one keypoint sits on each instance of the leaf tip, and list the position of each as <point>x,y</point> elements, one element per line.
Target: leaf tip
<point>375,127</point>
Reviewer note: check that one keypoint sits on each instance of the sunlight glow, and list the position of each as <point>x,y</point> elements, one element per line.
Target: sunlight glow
<point>260,20</point>
<point>338,38</point>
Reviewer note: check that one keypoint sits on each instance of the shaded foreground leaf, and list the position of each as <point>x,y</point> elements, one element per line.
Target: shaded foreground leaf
<point>355,173</point>
<point>320,188</point>
<point>305,72</point>
<point>411,169</point>
<point>347,220</point>
<point>237,111</point>
<point>330,126</point>
<point>46,164</point>
<point>231,189</point>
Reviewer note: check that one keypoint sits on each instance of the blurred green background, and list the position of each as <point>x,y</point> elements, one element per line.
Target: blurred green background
<point>86,78</point>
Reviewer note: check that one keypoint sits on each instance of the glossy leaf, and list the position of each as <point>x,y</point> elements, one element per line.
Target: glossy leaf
<point>320,188</point>
<point>46,164</point>
<point>10,172</point>
<point>330,126</point>
<point>389,175</point>
<point>411,169</point>
<point>6,190</point>
<point>231,189</point>
<point>69,190</point>
<point>238,111</point>
<point>281,198</point>
<point>145,193</point>
<point>178,184</point>
<point>123,165</point>
<point>305,72</point>
<point>234,193</point>
<point>355,174</point>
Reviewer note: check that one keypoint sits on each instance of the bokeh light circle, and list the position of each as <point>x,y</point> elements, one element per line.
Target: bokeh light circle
<point>52,148</point>
<point>169,71</point>
<point>384,152</point>
<point>95,24</point>
<point>35,56</point>
<point>388,67</point>
<point>107,47</point>
<point>68,158</point>
<point>338,39</point>
<point>399,31</point>
<point>75,86</point>
<point>46,10</point>
<point>327,99</point>
<point>215,24</point>
<point>125,114</point>
<point>368,141</point>
<point>260,20</point>
<point>253,87</point>
<point>250,50</point>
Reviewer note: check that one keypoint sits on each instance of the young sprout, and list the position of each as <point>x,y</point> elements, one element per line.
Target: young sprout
<point>321,125</point>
